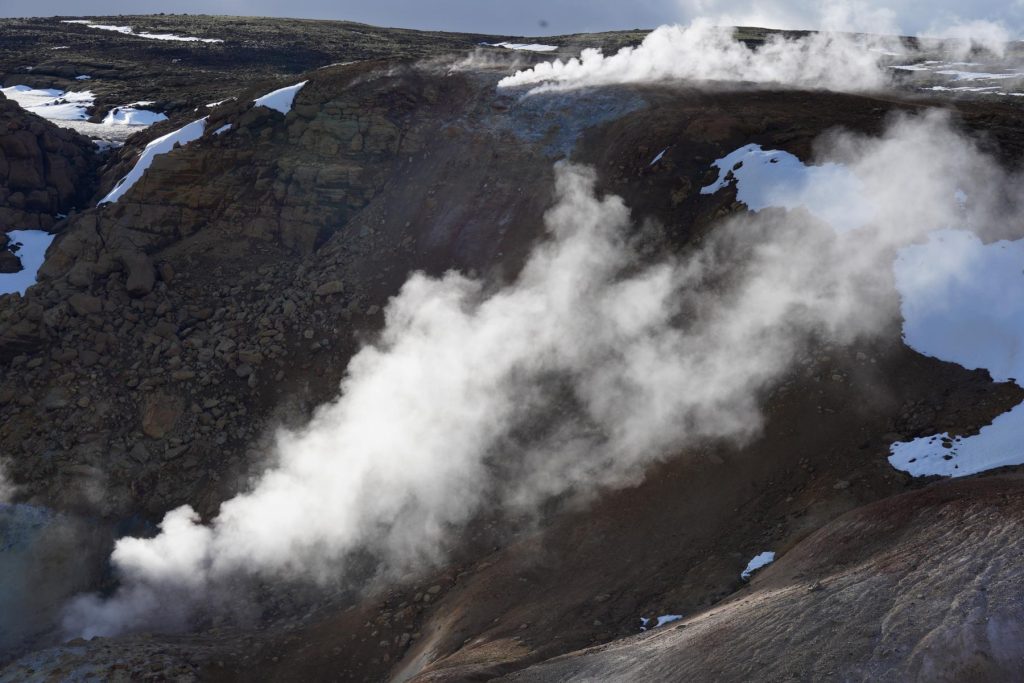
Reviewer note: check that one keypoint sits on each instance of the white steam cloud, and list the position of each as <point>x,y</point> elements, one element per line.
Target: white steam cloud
<point>703,52</point>
<point>891,17</point>
<point>963,38</point>
<point>593,364</point>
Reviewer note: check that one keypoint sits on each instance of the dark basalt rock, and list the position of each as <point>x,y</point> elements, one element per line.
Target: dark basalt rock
<point>44,170</point>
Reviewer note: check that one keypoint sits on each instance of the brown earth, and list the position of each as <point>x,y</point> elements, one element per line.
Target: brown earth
<point>919,587</point>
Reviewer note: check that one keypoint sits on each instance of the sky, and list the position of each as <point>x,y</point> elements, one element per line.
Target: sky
<point>550,17</point>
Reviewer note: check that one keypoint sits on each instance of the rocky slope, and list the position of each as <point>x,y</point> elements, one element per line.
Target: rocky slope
<point>172,331</point>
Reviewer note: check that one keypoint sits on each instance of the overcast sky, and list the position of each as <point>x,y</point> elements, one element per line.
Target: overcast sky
<point>540,17</point>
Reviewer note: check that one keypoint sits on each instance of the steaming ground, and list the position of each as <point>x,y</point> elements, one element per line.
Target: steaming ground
<point>586,370</point>
<point>972,59</point>
<point>703,52</point>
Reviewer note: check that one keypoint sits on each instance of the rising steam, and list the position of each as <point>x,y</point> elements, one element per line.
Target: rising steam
<point>703,52</point>
<point>592,365</point>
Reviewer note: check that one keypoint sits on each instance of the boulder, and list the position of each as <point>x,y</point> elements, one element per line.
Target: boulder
<point>141,276</point>
<point>159,414</point>
<point>83,304</point>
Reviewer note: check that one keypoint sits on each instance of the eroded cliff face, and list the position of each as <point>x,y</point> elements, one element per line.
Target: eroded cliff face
<point>223,295</point>
<point>170,324</point>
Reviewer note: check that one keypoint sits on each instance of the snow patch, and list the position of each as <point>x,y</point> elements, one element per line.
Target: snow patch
<point>131,115</point>
<point>527,47</point>
<point>661,621</point>
<point>83,77</point>
<point>32,246</point>
<point>50,103</point>
<point>129,31</point>
<point>976,75</point>
<point>774,178</point>
<point>961,72</point>
<point>760,560</point>
<point>70,110</point>
<point>280,99</point>
<point>658,157</point>
<point>223,129</point>
<point>996,445</point>
<point>162,145</point>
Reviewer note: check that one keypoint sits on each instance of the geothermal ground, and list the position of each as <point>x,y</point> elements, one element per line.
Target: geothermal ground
<point>332,352</point>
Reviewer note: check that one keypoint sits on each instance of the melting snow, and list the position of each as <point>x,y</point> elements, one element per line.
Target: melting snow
<point>70,110</point>
<point>760,560</point>
<point>129,31</point>
<point>661,621</point>
<point>954,72</point>
<point>529,47</point>
<point>32,251</point>
<point>963,301</point>
<point>976,75</point>
<point>779,179</point>
<point>161,145</point>
<point>996,445</point>
<point>130,115</point>
<point>965,88</point>
<point>912,67</point>
<point>280,99</point>
<point>52,104</point>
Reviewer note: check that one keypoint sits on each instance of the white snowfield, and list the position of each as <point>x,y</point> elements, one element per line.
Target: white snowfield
<point>526,47</point>
<point>162,145</point>
<point>757,562</point>
<point>129,31</point>
<point>32,251</point>
<point>280,99</point>
<point>962,300</point>
<point>51,104</point>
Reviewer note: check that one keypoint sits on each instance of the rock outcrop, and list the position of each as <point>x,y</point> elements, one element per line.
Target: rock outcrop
<point>44,170</point>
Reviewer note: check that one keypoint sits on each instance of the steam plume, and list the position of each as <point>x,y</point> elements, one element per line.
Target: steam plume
<point>963,38</point>
<point>592,365</point>
<point>703,52</point>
